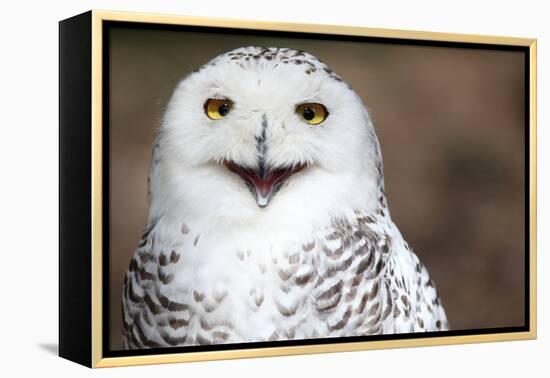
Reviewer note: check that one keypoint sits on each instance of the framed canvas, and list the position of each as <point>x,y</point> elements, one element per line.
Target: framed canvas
<point>235,189</point>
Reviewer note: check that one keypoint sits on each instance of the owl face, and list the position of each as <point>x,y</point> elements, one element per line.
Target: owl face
<point>264,128</point>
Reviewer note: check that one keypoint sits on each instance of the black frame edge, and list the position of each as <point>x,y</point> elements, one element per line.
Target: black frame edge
<point>75,182</point>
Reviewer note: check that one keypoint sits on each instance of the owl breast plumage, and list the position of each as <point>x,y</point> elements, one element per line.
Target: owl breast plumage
<point>227,268</point>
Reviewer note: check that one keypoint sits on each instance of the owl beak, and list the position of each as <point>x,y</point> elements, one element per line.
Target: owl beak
<point>263,182</point>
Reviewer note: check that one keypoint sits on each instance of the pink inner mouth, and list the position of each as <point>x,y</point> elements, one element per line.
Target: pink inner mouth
<point>265,185</point>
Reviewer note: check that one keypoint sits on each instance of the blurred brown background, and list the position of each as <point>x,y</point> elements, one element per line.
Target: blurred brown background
<point>451,126</point>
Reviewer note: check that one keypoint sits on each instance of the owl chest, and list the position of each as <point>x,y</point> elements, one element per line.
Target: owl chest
<point>266,293</point>
<point>260,293</point>
<point>214,289</point>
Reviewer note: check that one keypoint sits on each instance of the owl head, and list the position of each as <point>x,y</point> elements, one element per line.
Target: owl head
<point>264,133</point>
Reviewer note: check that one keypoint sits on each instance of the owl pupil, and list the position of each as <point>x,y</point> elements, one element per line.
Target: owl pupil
<point>223,109</point>
<point>308,114</point>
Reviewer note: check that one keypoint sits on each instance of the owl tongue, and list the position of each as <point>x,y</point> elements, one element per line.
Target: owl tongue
<point>263,183</point>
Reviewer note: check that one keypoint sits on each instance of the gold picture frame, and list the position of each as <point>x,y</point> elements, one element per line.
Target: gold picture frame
<point>82,46</point>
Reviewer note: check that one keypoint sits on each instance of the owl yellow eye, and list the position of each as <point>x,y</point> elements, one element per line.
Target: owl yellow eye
<point>312,113</point>
<point>217,108</point>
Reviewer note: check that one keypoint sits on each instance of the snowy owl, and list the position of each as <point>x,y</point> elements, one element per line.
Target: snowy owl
<point>267,214</point>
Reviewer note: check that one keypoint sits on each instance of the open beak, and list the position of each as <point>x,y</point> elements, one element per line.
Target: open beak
<point>263,182</point>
